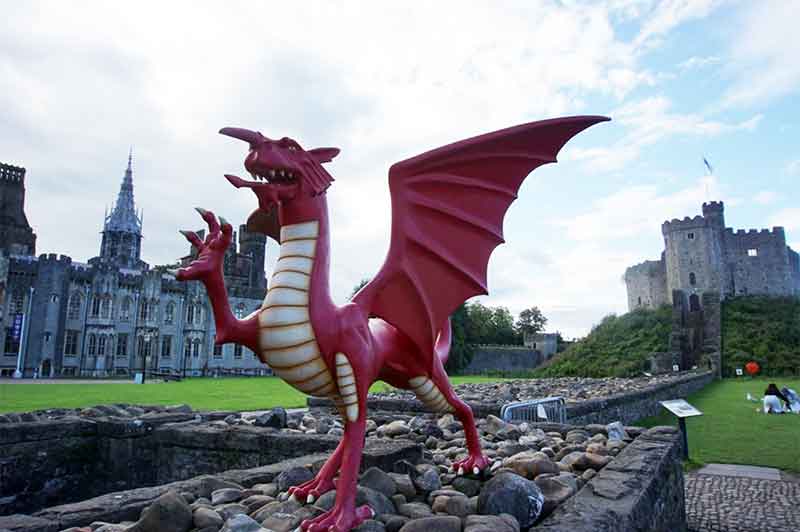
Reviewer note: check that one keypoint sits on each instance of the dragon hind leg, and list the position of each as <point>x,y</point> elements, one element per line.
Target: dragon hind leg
<point>442,398</point>
<point>312,490</point>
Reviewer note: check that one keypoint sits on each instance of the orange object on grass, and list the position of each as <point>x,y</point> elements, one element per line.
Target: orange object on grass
<point>751,368</point>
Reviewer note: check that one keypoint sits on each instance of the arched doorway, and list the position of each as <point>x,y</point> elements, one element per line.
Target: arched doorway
<point>46,368</point>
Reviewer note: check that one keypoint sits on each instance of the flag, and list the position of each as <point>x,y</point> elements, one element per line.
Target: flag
<point>708,165</point>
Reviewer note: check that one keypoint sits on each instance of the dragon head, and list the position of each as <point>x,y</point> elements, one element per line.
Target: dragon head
<point>282,170</point>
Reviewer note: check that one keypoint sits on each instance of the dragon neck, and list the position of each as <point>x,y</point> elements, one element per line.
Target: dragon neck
<point>314,209</point>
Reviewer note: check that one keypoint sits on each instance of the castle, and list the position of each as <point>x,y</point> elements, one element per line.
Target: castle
<point>701,255</point>
<point>113,315</point>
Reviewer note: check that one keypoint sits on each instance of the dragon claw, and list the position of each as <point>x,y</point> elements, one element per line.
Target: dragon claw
<point>223,221</point>
<point>472,464</point>
<point>201,210</point>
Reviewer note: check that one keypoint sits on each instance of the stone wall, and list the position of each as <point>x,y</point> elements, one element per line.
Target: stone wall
<point>641,489</point>
<point>503,358</point>
<point>51,462</point>
<point>625,407</point>
<point>631,407</point>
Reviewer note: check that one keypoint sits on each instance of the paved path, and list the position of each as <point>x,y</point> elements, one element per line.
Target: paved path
<point>726,498</point>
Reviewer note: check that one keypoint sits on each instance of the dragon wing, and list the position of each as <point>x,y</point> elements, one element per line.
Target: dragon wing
<point>448,206</point>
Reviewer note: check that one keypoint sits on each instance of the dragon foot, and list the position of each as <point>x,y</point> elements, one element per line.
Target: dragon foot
<point>338,519</point>
<point>474,463</point>
<point>310,491</point>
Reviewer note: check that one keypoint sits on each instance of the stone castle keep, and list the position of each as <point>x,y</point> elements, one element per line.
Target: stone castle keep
<point>115,314</point>
<point>701,255</point>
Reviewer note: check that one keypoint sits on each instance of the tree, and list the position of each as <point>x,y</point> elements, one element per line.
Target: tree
<point>531,321</point>
<point>460,351</point>
<point>361,284</point>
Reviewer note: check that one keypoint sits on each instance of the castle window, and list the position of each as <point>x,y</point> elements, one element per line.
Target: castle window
<point>101,345</point>
<point>166,346</point>
<point>217,350</point>
<point>240,310</point>
<point>169,314</point>
<point>692,279</point>
<point>237,351</point>
<point>105,308</point>
<point>187,348</point>
<point>54,298</point>
<point>752,252</point>
<point>92,344</point>
<point>690,236</point>
<point>95,306</point>
<point>125,311</point>
<point>122,346</point>
<point>190,314</point>
<point>640,302</point>
<point>74,307</point>
<point>196,348</point>
<point>71,343</point>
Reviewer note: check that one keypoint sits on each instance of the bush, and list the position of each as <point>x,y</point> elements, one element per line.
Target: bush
<point>763,329</point>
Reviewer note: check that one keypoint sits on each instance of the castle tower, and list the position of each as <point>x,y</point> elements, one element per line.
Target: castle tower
<point>122,229</point>
<point>16,235</point>
<point>714,213</point>
<point>254,245</point>
<point>693,251</point>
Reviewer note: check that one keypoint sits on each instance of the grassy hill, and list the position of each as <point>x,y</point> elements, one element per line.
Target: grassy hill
<point>763,329</point>
<point>617,346</point>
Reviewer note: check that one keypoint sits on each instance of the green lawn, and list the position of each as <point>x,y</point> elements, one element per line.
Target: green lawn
<point>734,431</point>
<point>253,393</point>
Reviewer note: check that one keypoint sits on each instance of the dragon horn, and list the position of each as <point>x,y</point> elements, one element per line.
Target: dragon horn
<point>253,137</point>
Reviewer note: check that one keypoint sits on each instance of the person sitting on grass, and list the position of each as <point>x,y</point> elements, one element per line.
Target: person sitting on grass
<point>794,399</point>
<point>772,400</point>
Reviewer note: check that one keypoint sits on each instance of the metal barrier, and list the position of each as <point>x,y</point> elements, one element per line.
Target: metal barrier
<point>553,409</point>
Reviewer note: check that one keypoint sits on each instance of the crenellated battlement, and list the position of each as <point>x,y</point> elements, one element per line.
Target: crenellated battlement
<point>12,174</point>
<point>775,231</point>
<point>675,225</point>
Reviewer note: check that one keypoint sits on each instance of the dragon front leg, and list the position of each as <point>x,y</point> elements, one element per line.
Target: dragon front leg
<point>344,516</point>
<point>207,268</point>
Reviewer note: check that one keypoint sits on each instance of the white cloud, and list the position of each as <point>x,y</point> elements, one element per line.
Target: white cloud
<point>668,14</point>
<point>765,197</point>
<point>793,167</point>
<point>763,55</point>
<point>699,62</point>
<point>648,121</point>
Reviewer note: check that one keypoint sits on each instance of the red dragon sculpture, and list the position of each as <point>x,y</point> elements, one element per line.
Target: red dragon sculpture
<point>447,217</point>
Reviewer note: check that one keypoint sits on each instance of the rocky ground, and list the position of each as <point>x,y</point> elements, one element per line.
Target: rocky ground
<point>572,389</point>
<point>534,470</point>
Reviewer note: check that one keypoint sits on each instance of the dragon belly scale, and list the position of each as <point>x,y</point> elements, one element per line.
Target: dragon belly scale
<point>286,337</point>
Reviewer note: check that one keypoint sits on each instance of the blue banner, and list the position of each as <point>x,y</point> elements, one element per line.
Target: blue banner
<point>16,328</point>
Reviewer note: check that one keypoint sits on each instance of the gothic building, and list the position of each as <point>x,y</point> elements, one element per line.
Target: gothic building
<point>115,314</point>
<point>701,255</point>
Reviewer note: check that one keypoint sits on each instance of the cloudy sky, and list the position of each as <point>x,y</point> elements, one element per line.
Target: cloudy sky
<point>82,81</point>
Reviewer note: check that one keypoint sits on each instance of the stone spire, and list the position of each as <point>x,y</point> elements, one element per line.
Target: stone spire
<point>122,229</point>
<point>123,217</point>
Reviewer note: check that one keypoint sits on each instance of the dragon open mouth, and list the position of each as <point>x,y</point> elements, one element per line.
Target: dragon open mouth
<point>271,176</point>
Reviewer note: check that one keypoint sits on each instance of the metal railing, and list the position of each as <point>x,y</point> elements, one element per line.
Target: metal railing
<point>553,409</point>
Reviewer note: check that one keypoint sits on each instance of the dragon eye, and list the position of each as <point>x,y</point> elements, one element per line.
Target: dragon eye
<point>292,148</point>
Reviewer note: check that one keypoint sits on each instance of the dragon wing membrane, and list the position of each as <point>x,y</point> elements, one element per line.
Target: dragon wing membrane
<point>448,206</point>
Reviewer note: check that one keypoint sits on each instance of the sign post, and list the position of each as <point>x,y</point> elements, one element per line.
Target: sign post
<point>681,409</point>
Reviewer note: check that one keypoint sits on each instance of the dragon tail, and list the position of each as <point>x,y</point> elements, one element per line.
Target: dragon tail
<point>442,347</point>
